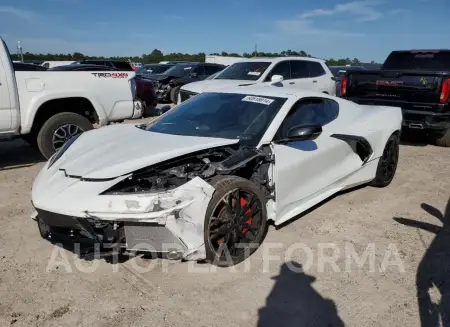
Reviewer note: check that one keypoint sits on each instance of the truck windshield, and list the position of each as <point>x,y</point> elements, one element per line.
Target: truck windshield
<point>221,115</point>
<point>433,60</point>
<point>249,71</point>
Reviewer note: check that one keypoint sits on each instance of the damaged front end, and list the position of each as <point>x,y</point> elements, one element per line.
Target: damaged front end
<point>160,208</point>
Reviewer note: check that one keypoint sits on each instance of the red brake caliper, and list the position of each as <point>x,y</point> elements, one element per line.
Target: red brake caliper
<point>249,220</point>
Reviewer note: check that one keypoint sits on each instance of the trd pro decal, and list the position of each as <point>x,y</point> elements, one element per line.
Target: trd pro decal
<point>110,75</point>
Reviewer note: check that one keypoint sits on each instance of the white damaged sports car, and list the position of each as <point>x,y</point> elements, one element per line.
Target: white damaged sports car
<point>203,180</point>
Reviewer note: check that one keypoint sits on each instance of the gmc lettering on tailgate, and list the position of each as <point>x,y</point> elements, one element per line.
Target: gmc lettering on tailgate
<point>110,75</point>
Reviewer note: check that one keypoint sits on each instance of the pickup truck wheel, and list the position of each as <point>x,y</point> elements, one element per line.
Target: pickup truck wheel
<point>444,140</point>
<point>174,94</point>
<point>58,129</point>
<point>387,165</point>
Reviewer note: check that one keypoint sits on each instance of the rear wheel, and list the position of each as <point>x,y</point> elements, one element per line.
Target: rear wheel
<point>444,140</point>
<point>387,165</point>
<point>58,129</point>
<point>235,221</point>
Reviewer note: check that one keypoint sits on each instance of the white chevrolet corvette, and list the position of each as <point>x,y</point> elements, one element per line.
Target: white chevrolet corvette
<point>203,180</point>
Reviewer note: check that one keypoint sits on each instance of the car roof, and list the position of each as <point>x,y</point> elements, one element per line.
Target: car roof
<point>421,50</point>
<point>268,90</point>
<point>278,59</point>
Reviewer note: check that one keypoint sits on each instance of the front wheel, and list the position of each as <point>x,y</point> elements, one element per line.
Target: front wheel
<point>235,221</point>
<point>58,129</point>
<point>387,166</point>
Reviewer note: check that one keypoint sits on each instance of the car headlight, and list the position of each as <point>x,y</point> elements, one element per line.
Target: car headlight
<point>62,150</point>
<point>133,88</point>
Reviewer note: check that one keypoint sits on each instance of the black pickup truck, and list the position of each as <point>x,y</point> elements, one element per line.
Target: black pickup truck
<point>418,81</point>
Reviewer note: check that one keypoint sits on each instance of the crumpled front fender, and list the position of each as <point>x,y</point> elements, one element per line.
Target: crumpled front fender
<point>181,210</point>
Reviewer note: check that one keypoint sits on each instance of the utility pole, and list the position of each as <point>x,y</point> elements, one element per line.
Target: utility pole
<point>256,50</point>
<point>20,51</point>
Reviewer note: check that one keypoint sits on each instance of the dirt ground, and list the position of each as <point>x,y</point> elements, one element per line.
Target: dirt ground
<point>262,291</point>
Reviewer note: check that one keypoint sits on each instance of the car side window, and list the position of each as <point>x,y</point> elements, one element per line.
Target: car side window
<point>209,70</point>
<point>315,69</point>
<point>299,69</point>
<point>282,68</point>
<point>200,70</point>
<point>318,111</point>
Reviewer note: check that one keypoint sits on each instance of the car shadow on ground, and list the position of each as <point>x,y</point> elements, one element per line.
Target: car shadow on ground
<point>294,302</point>
<point>17,154</point>
<point>434,268</point>
<point>416,138</point>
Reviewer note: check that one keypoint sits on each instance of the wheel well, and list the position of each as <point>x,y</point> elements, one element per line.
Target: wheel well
<point>78,105</point>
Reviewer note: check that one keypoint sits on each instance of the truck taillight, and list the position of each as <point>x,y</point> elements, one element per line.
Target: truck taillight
<point>344,82</point>
<point>445,91</point>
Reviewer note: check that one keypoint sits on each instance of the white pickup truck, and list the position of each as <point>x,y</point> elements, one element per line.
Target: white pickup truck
<point>46,108</point>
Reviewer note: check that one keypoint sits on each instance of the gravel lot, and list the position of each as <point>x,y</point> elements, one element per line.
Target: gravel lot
<point>262,291</point>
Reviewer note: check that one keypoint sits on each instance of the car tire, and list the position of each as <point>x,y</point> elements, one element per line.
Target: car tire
<point>174,94</point>
<point>387,164</point>
<point>252,229</point>
<point>444,140</point>
<point>60,120</point>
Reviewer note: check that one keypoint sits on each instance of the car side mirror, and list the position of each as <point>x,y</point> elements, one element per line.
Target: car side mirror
<point>304,132</point>
<point>277,78</point>
<point>194,75</point>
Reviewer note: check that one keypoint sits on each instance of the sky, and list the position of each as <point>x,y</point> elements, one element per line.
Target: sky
<point>366,29</point>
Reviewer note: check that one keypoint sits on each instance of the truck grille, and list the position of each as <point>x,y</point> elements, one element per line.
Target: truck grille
<point>184,95</point>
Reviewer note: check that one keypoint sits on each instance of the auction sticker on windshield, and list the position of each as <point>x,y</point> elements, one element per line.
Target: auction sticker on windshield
<point>254,73</point>
<point>255,99</point>
<point>187,68</point>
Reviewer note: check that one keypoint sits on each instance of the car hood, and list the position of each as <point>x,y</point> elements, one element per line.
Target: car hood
<point>117,150</point>
<point>212,84</point>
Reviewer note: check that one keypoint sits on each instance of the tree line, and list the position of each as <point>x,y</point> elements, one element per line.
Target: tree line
<point>156,56</point>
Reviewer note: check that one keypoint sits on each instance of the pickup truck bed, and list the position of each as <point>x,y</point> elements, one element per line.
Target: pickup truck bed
<point>46,108</point>
<point>423,93</point>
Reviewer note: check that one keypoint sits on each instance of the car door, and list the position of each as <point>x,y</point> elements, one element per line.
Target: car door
<point>5,102</point>
<point>305,168</point>
<point>301,78</point>
<point>199,73</point>
<point>323,80</point>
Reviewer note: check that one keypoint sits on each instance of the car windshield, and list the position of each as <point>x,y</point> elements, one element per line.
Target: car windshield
<point>179,70</point>
<point>249,71</point>
<point>221,115</point>
<point>146,69</point>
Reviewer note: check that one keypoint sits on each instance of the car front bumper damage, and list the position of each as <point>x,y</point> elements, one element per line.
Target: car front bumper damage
<point>167,222</point>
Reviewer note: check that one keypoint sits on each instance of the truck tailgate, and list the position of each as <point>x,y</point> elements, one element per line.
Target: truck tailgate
<point>401,86</point>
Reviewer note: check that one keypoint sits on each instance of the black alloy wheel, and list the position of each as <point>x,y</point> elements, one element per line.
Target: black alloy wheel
<point>236,224</point>
<point>387,166</point>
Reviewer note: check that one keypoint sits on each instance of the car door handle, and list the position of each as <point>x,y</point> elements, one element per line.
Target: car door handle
<point>314,81</point>
<point>291,83</point>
